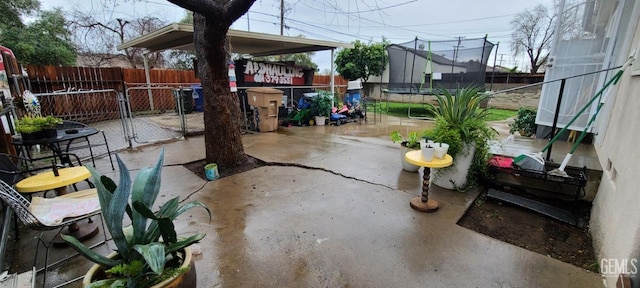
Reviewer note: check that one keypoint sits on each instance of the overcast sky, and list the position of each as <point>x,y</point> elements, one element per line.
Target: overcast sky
<point>348,20</point>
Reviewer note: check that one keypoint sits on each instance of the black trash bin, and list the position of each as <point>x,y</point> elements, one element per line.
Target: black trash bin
<point>186,95</point>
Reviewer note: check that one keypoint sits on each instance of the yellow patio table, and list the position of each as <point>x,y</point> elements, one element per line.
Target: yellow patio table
<point>422,203</point>
<point>49,181</point>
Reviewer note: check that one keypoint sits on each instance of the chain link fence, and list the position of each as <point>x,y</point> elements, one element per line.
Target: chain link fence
<point>149,113</point>
<point>100,109</point>
<point>164,111</point>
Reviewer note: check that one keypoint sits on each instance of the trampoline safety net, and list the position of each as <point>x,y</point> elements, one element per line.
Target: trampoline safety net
<point>423,67</point>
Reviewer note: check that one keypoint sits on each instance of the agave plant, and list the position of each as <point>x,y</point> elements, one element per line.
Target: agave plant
<point>150,242</point>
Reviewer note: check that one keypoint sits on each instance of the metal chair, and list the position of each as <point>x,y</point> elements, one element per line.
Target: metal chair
<point>85,143</point>
<point>12,170</point>
<point>23,209</point>
<point>370,101</point>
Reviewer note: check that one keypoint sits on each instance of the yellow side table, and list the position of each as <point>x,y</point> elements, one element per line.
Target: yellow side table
<point>423,203</point>
<point>47,181</point>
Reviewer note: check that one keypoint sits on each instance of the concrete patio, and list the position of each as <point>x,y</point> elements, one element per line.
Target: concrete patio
<point>343,221</point>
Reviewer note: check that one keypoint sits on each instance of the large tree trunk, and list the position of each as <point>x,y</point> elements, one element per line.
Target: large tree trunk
<point>222,117</point>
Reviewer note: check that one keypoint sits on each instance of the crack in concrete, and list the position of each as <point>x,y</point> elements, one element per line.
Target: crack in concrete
<point>282,164</point>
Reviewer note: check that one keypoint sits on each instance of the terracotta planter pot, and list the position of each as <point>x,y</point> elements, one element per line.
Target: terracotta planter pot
<point>181,281</point>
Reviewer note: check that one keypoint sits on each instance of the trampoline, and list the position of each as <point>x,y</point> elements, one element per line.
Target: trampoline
<point>423,67</point>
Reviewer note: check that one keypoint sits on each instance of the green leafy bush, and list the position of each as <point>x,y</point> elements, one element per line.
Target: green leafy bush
<point>525,122</point>
<point>32,124</point>
<point>321,104</point>
<point>412,140</point>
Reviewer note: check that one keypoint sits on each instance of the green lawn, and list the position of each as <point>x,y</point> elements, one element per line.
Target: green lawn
<point>419,110</point>
<point>500,114</point>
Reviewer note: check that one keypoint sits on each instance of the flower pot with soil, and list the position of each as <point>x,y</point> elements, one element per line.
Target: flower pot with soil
<point>149,251</point>
<point>321,107</point>
<point>460,122</point>
<point>440,149</point>
<point>33,128</point>
<point>412,142</point>
<point>427,152</point>
<point>320,120</point>
<point>179,281</point>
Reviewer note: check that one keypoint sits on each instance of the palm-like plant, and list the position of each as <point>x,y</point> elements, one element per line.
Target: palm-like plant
<point>460,122</point>
<point>142,254</point>
<point>459,118</point>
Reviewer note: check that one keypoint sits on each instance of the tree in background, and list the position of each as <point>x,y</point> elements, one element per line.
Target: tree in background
<point>300,59</point>
<point>97,40</point>
<point>12,10</point>
<point>222,114</point>
<point>361,61</point>
<point>532,34</point>
<point>182,59</point>
<point>46,41</point>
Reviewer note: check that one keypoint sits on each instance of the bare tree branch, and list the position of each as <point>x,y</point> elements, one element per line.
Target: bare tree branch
<point>97,39</point>
<point>235,9</point>
<point>204,7</point>
<point>533,33</point>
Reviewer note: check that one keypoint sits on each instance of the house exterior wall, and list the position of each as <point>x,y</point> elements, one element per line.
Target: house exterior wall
<point>615,216</point>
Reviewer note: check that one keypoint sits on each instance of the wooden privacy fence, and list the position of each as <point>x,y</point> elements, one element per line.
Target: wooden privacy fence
<point>50,79</point>
<point>99,106</point>
<point>319,80</point>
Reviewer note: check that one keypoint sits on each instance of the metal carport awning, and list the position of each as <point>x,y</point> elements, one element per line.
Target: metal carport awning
<point>180,36</point>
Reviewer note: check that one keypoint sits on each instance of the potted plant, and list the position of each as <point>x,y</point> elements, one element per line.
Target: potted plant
<point>460,123</point>
<point>38,127</point>
<point>321,107</point>
<point>525,122</point>
<point>149,253</point>
<point>412,142</point>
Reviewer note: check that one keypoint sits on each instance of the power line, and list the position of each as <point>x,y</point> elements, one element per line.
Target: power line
<point>461,21</point>
<point>359,11</point>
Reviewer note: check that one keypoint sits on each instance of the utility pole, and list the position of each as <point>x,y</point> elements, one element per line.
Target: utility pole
<point>281,17</point>
<point>501,55</point>
<point>455,52</point>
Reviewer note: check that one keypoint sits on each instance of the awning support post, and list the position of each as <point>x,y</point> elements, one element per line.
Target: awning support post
<point>145,56</point>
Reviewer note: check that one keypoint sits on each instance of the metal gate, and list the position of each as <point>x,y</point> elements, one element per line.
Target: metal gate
<point>100,109</point>
<point>162,112</point>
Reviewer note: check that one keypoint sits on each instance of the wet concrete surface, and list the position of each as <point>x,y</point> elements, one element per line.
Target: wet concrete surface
<point>348,225</point>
